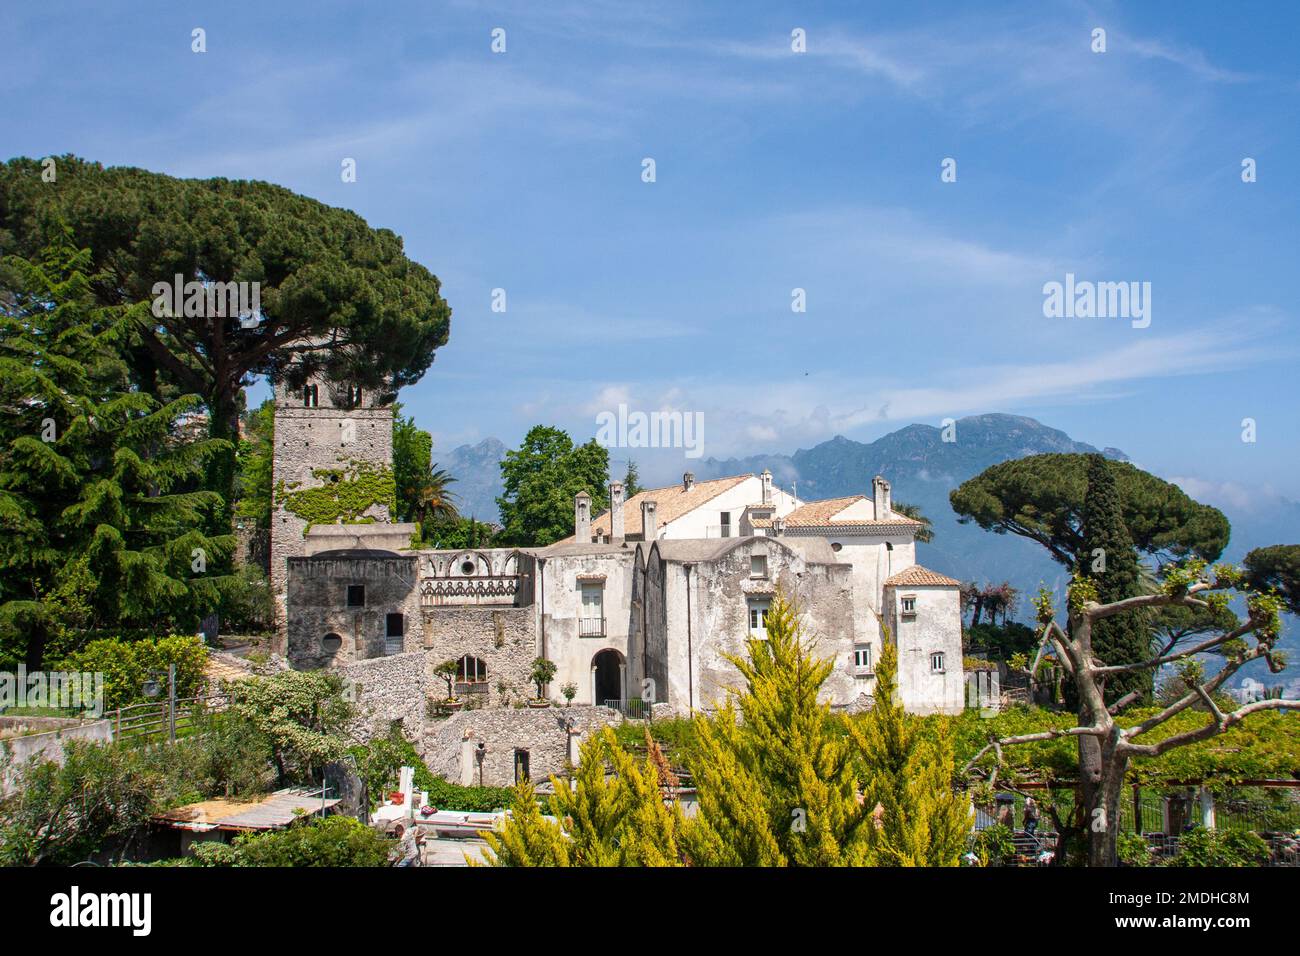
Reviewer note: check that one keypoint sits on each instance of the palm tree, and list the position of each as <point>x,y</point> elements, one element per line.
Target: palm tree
<point>433,500</point>
<point>925,533</point>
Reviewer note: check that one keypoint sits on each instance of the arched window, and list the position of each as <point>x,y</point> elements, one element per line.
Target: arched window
<point>311,396</point>
<point>472,670</point>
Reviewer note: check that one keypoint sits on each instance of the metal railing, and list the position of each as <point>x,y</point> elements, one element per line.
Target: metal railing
<point>164,720</point>
<point>634,708</point>
<point>591,626</point>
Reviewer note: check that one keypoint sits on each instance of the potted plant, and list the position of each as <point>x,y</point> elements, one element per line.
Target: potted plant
<point>570,691</point>
<point>543,671</point>
<point>448,670</point>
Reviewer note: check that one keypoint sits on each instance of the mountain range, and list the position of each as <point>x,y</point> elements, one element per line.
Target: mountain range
<point>923,468</point>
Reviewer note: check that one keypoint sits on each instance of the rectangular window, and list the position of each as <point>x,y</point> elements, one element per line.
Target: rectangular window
<point>310,396</point>
<point>592,621</point>
<point>758,566</point>
<point>909,604</point>
<point>356,595</point>
<point>758,619</point>
<point>862,658</point>
<point>936,662</point>
<point>726,524</point>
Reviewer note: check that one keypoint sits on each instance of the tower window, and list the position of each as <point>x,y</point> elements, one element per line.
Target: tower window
<point>356,595</point>
<point>311,396</point>
<point>936,662</point>
<point>909,605</point>
<point>354,395</point>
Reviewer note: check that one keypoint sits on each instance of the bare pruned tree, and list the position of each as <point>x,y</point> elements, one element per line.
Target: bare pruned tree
<point>1106,748</point>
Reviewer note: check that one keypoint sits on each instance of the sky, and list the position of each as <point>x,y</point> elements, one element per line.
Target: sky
<point>774,170</point>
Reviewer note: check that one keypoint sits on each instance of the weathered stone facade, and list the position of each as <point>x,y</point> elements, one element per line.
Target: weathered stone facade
<point>388,690</point>
<point>319,426</point>
<point>503,638</point>
<point>344,606</point>
<point>551,737</point>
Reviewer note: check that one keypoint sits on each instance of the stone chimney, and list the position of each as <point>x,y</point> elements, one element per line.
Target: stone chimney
<point>582,517</point>
<point>766,479</point>
<point>616,511</point>
<point>880,495</point>
<point>649,520</point>
<point>688,481</point>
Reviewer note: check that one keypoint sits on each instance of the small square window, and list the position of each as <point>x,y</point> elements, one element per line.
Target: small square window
<point>936,662</point>
<point>909,604</point>
<point>862,658</point>
<point>758,566</point>
<point>356,595</point>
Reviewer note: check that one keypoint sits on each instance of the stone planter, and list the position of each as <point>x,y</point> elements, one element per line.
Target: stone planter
<point>456,704</point>
<point>539,704</point>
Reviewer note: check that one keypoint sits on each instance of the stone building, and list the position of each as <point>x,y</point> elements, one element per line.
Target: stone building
<point>639,607</point>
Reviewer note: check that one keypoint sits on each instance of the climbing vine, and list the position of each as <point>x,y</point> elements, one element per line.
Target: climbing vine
<point>343,497</point>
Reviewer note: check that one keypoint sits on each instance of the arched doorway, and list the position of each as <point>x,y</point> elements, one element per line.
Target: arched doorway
<point>607,676</point>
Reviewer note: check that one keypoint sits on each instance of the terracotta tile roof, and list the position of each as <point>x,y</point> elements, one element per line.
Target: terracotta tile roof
<point>917,576</point>
<point>670,503</point>
<point>821,514</point>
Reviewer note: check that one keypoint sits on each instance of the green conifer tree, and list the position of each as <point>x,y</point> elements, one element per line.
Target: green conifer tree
<point>1109,559</point>
<point>778,786</point>
<point>614,814</point>
<point>528,838</point>
<point>101,517</point>
<point>918,819</point>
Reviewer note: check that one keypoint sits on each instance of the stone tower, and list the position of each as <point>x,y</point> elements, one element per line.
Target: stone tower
<point>320,426</point>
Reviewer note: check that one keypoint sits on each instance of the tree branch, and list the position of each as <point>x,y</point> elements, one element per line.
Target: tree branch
<point>1212,729</point>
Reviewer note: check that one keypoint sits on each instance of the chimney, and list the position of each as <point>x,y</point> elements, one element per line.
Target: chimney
<point>778,527</point>
<point>766,478</point>
<point>649,521</point>
<point>688,481</point>
<point>582,517</point>
<point>880,496</point>
<point>616,511</point>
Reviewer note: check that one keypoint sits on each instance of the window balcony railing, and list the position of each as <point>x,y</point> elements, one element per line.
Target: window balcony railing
<point>591,626</point>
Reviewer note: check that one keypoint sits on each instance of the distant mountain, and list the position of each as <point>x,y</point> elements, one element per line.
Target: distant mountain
<point>923,468</point>
<point>477,470</point>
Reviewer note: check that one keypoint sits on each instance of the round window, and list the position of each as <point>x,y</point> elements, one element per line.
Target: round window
<point>467,567</point>
<point>837,546</point>
<point>331,643</point>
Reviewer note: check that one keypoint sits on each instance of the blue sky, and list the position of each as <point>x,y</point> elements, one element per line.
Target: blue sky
<point>775,171</point>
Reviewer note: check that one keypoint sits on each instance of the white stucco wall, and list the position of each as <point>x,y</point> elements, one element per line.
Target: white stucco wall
<point>704,521</point>
<point>721,592</point>
<point>571,652</point>
<point>936,627</point>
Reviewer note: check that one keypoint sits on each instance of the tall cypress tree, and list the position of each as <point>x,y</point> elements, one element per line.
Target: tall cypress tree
<point>1109,559</point>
